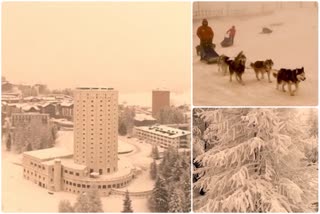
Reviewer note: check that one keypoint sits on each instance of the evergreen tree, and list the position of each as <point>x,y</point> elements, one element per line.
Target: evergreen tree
<point>82,204</point>
<point>65,207</point>
<point>186,189</point>
<point>175,204</point>
<point>8,142</point>
<point>127,204</point>
<point>122,128</point>
<point>159,201</point>
<point>95,201</point>
<point>155,153</point>
<point>153,170</point>
<point>247,170</point>
<point>88,202</point>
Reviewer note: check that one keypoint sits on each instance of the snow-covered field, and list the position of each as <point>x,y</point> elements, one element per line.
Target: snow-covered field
<point>16,190</point>
<point>293,44</point>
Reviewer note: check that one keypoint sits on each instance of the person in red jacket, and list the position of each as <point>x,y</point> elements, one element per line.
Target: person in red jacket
<point>232,33</point>
<point>205,33</point>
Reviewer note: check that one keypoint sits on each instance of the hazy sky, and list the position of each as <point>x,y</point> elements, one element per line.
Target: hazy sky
<point>132,47</point>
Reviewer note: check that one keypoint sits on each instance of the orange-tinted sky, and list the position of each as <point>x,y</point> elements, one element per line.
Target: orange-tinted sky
<point>129,46</point>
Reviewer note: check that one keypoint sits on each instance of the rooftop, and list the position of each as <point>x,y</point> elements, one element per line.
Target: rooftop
<point>164,131</point>
<point>142,117</point>
<point>94,88</point>
<point>48,154</point>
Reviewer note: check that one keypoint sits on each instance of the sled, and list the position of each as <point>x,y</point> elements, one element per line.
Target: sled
<point>227,42</point>
<point>266,30</point>
<point>207,53</point>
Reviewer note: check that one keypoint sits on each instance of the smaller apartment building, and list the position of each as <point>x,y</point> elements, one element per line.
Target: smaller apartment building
<point>164,136</point>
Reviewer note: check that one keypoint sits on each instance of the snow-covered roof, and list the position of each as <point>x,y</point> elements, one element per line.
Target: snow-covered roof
<point>164,131</point>
<point>27,107</point>
<point>69,162</point>
<point>51,153</point>
<point>66,104</point>
<point>63,121</point>
<point>142,117</point>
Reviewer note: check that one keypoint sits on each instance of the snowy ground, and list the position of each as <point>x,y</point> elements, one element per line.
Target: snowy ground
<point>15,189</point>
<point>293,44</point>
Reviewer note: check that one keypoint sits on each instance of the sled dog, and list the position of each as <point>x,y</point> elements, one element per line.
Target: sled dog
<point>288,76</point>
<point>222,64</point>
<point>237,66</point>
<point>261,67</point>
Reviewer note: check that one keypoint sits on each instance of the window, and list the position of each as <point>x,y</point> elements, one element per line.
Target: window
<point>77,174</point>
<point>104,186</point>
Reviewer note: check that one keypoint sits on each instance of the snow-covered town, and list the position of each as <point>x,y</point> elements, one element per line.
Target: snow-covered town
<point>41,150</point>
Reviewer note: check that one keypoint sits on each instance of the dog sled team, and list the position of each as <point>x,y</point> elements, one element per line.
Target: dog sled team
<point>237,66</point>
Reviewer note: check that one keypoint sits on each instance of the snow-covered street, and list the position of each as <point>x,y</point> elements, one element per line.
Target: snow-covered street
<point>292,44</point>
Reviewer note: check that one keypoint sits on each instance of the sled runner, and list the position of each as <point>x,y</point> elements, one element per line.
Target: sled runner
<point>207,53</point>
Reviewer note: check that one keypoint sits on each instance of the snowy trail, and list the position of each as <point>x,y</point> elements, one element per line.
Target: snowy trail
<point>293,44</point>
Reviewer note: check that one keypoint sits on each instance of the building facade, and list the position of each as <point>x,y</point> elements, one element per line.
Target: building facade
<point>160,100</point>
<point>164,136</point>
<point>96,129</point>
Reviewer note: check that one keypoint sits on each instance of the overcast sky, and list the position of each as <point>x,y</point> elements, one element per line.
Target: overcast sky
<point>132,47</point>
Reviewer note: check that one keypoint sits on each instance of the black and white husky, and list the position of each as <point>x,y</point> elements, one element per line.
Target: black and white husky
<point>288,76</point>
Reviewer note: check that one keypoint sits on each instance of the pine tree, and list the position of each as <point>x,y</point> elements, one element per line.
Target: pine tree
<point>82,204</point>
<point>155,154</point>
<point>127,204</point>
<point>122,129</point>
<point>175,204</point>
<point>88,202</point>
<point>159,201</point>
<point>65,207</point>
<point>247,170</point>
<point>95,201</point>
<point>153,170</point>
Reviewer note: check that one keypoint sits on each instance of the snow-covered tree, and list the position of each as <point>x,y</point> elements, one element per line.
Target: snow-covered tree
<point>170,115</point>
<point>153,170</point>
<point>176,201</point>
<point>127,208</point>
<point>122,128</point>
<point>155,152</point>
<point>159,199</point>
<point>88,202</point>
<point>126,117</point>
<point>248,168</point>
<point>65,206</point>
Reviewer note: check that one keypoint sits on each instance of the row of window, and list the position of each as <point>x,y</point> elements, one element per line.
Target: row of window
<point>71,172</point>
<point>99,186</point>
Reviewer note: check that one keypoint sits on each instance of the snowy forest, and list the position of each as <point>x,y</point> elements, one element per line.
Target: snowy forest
<point>171,192</point>
<point>255,160</point>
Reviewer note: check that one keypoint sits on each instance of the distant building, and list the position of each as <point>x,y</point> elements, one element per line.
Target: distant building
<point>164,136</point>
<point>65,110</point>
<point>48,108</point>
<point>22,119</point>
<point>144,120</point>
<point>160,100</point>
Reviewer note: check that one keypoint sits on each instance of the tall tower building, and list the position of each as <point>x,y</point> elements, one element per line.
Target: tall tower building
<point>96,129</point>
<point>160,100</point>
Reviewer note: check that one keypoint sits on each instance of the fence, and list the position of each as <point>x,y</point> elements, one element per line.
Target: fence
<point>142,194</point>
<point>221,9</point>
